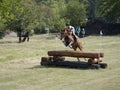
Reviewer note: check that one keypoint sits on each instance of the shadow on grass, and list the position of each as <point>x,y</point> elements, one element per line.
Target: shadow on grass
<point>59,67</point>
<point>69,64</point>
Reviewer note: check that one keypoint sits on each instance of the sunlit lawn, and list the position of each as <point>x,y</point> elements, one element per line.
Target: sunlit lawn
<point>20,67</point>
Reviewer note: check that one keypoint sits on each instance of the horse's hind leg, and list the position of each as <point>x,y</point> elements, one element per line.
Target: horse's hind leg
<point>85,59</point>
<point>80,47</point>
<point>78,59</point>
<point>75,48</point>
<point>27,39</point>
<point>82,50</point>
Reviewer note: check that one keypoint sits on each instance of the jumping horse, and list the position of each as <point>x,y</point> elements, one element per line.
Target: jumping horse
<point>68,37</point>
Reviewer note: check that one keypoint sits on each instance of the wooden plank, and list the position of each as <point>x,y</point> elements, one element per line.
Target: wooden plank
<point>78,54</point>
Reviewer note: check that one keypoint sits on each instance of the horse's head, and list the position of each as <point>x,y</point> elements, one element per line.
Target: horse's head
<point>65,32</point>
<point>62,34</point>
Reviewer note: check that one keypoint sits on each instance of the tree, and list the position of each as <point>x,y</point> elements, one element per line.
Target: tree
<point>57,12</point>
<point>8,11</point>
<point>76,12</point>
<point>109,9</point>
<point>38,14</point>
<point>50,14</point>
<point>7,7</point>
<point>91,9</point>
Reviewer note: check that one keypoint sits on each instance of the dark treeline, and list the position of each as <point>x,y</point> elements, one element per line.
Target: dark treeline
<point>107,28</point>
<point>103,15</point>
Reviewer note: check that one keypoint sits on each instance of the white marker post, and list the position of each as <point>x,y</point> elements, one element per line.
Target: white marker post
<point>56,40</point>
<point>101,34</point>
<point>47,32</point>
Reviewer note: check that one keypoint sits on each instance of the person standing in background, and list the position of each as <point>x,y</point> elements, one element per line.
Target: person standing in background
<point>83,32</point>
<point>77,31</point>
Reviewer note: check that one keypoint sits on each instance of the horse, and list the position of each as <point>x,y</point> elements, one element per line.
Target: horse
<point>24,34</point>
<point>68,37</point>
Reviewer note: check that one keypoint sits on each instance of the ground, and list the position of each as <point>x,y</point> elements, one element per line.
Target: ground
<point>20,67</point>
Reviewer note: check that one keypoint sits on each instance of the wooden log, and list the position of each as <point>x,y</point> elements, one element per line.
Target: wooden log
<point>44,60</point>
<point>94,60</point>
<point>71,64</point>
<point>58,58</point>
<point>78,54</point>
<point>103,65</point>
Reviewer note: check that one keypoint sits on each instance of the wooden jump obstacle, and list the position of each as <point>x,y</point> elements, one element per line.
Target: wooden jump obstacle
<point>75,54</point>
<point>57,58</point>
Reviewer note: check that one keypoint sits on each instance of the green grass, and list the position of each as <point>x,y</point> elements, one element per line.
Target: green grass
<point>20,67</point>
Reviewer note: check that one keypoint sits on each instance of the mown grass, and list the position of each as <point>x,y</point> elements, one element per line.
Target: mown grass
<point>20,67</point>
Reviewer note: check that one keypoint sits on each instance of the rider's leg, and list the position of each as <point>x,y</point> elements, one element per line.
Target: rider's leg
<point>74,35</point>
<point>73,40</point>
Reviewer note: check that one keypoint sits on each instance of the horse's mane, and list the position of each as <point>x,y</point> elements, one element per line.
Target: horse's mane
<point>66,29</point>
<point>69,33</point>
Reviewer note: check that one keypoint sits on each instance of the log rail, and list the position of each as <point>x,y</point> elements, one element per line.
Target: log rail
<point>70,53</point>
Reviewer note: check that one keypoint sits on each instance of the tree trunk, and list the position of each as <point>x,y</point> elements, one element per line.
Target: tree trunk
<point>26,36</point>
<point>19,34</point>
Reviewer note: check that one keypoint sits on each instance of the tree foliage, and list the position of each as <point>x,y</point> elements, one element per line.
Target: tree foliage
<point>8,9</point>
<point>32,14</point>
<point>109,9</point>
<point>76,12</point>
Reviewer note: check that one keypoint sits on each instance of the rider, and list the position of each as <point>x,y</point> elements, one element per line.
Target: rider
<point>72,31</point>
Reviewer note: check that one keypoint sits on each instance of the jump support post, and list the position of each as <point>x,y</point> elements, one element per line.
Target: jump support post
<point>57,58</point>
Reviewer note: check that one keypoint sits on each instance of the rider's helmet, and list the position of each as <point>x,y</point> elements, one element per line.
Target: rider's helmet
<point>67,24</point>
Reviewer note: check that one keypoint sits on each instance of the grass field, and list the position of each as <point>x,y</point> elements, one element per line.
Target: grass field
<point>20,67</point>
